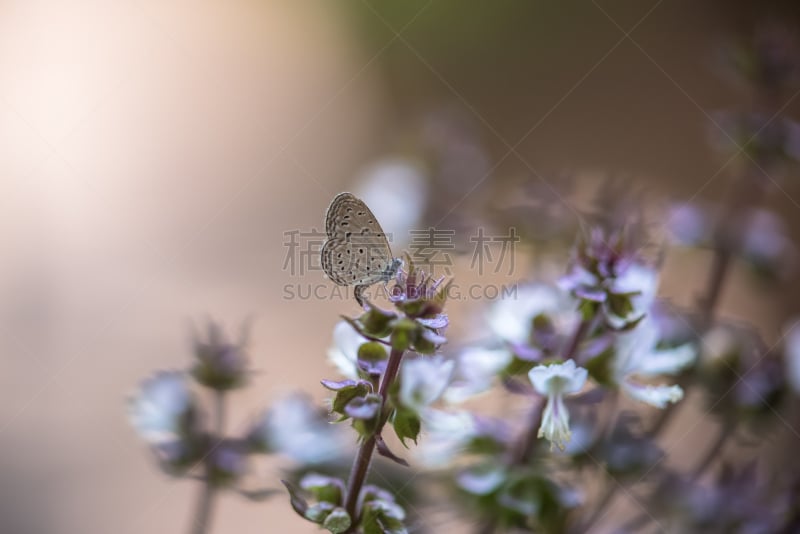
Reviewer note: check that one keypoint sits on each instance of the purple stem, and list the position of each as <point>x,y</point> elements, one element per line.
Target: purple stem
<point>358,473</point>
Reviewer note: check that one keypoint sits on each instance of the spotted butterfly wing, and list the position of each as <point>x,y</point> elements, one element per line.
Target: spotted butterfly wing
<point>356,252</point>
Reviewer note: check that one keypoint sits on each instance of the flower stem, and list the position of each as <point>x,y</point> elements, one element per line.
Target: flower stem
<point>358,473</point>
<point>357,476</point>
<point>582,330</point>
<point>201,523</point>
<point>202,516</point>
<point>611,489</point>
<point>521,453</point>
<point>522,449</point>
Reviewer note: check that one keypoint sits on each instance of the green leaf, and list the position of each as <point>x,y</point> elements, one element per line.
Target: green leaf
<point>335,385</point>
<point>406,425</point>
<point>297,501</point>
<point>384,451</point>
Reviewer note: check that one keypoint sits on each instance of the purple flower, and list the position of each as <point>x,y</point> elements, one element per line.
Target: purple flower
<point>219,364</point>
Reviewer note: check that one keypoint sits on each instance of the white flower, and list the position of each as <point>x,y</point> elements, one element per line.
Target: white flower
<point>446,435</point>
<point>475,369</point>
<point>423,380</point>
<point>642,280</point>
<point>792,356</point>
<point>294,426</point>
<point>637,355</point>
<point>510,319</point>
<point>344,351</point>
<point>396,189</point>
<point>555,381</point>
<point>162,407</point>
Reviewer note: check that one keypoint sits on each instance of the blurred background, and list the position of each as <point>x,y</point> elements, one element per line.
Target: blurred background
<point>154,155</point>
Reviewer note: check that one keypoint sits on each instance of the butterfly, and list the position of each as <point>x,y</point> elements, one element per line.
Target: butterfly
<point>356,251</point>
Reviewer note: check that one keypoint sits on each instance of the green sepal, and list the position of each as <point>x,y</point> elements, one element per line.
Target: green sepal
<point>588,309</point>
<point>601,368</point>
<point>372,351</point>
<point>366,414</point>
<point>323,488</point>
<point>427,341</point>
<point>347,394</point>
<point>338,521</point>
<point>405,333</point>
<point>381,516</point>
<point>318,512</point>
<point>377,322</point>
<point>366,407</point>
<point>620,304</point>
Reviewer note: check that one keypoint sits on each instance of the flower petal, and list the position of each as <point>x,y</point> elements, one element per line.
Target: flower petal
<point>668,361</point>
<point>555,423</point>
<point>657,396</point>
<point>423,380</point>
<point>558,378</point>
<point>344,352</point>
<point>447,433</point>
<point>510,318</point>
<point>576,381</point>
<point>475,371</point>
